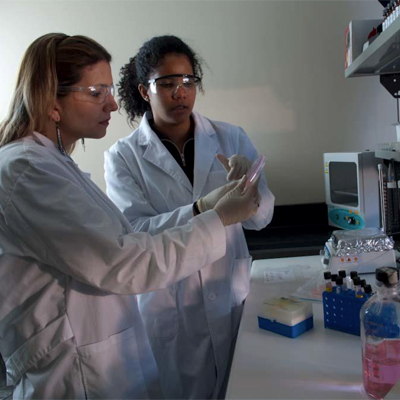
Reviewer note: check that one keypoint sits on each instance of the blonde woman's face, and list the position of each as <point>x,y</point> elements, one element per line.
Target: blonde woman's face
<point>86,111</point>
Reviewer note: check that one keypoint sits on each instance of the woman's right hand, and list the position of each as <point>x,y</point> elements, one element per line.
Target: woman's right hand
<point>237,206</point>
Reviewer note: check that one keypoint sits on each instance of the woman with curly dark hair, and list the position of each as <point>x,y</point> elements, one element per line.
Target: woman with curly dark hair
<point>157,177</point>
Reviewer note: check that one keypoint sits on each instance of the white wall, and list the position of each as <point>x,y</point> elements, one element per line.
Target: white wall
<point>275,68</point>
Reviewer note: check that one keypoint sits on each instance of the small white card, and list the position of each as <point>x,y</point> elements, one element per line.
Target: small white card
<point>282,275</point>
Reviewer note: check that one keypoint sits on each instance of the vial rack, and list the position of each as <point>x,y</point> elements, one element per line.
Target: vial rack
<point>342,311</point>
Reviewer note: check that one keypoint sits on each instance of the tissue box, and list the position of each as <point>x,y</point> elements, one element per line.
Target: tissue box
<point>287,317</point>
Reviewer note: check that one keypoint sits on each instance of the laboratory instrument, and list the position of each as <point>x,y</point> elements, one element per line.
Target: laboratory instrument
<point>361,251</point>
<point>351,189</point>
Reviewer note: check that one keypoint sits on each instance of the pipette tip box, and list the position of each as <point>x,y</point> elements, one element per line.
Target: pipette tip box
<point>287,317</point>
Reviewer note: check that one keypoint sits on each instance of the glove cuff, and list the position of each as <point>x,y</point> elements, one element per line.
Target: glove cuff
<point>201,206</point>
<point>196,208</point>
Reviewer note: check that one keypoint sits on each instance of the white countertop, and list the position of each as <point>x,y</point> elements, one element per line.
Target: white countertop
<point>319,364</point>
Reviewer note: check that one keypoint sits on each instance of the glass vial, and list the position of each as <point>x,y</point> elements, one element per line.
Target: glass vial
<point>328,283</point>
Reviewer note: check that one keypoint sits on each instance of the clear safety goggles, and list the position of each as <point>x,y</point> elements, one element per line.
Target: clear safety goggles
<point>94,94</point>
<point>168,85</point>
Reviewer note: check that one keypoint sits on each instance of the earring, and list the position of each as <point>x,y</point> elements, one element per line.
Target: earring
<point>147,98</point>
<point>59,141</point>
<point>83,144</point>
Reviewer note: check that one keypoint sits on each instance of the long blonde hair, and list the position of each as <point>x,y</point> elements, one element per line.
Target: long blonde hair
<point>51,60</point>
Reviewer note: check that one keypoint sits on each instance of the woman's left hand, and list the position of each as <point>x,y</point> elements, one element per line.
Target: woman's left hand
<point>236,166</point>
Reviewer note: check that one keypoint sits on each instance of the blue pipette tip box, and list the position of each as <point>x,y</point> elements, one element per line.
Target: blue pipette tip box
<point>286,330</point>
<point>285,316</point>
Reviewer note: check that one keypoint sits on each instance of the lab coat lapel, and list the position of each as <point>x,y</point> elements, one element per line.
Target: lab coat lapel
<point>156,153</point>
<point>206,147</point>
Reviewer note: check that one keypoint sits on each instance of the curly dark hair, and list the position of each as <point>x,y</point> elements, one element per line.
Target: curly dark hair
<point>141,66</point>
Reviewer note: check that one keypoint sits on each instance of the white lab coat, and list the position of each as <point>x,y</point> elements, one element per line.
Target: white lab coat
<point>69,264</point>
<point>191,324</point>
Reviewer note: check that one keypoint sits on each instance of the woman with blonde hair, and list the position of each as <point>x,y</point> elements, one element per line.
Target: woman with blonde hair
<point>70,265</point>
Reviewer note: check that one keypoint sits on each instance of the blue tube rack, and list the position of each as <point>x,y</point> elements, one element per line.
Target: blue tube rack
<point>342,311</point>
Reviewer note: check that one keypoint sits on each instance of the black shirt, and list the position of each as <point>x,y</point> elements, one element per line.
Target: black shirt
<point>184,159</point>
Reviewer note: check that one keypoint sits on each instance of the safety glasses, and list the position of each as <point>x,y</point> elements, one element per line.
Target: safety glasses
<point>94,94</point>
<point>168,85</point>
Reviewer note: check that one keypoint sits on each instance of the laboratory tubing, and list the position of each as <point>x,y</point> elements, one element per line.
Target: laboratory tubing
<point>357,287</point>
<point>339,285</point>
<point>342,274</point>
<point>380,334</point>
<point>328,283</point>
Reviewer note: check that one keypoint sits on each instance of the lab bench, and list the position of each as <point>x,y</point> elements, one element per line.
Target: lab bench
<point>319,364</point>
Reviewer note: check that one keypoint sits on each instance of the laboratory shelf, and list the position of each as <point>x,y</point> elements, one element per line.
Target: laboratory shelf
<point>381,57</point>
<point>388,155</point>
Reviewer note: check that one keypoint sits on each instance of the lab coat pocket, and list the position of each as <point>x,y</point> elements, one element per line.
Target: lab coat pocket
<point>36,348</point>
<point>241,279</point>
<point>111,369</point>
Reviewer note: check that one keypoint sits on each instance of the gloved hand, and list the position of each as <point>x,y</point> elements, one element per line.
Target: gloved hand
<point>236,166</point>
<point>209,201</point>
<point>237,206</point>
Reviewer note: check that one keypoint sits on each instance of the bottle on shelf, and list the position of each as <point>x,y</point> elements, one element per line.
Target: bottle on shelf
<point>384,23</point>
<point>380,334</point>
